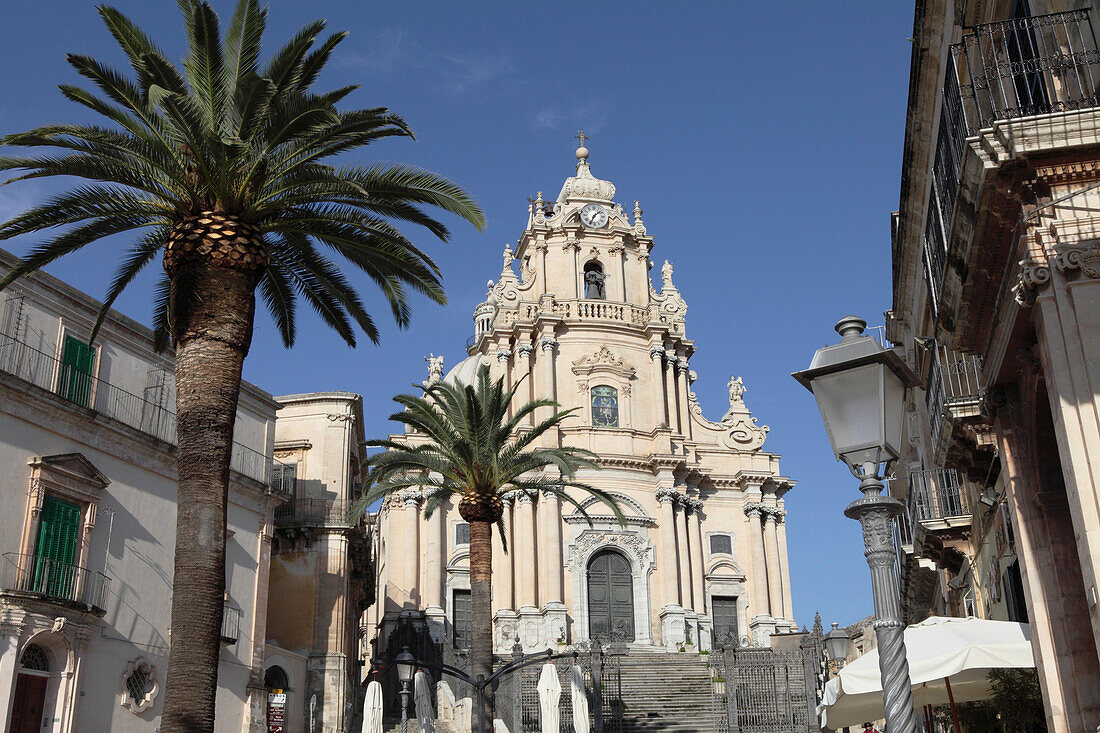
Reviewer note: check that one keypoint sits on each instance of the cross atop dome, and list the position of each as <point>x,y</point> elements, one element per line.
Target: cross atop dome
<point>584,186</point>
<point>582,151</point>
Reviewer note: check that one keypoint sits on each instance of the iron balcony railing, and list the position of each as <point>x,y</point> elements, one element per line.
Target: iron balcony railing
<point>231,624</point>
<point>48,372</point>
<point>1027,66</point>
<point>936,495</point>
<point>314,513</point>
<point>54,581</point>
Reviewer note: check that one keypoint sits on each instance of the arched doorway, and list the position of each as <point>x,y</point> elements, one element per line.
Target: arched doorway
<point>610,596</point>
<point>30,690</point>
<point>277,683</point>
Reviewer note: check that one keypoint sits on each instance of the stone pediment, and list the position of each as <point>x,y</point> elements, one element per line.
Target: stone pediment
<point>603,360</point>
<point>74,467</point>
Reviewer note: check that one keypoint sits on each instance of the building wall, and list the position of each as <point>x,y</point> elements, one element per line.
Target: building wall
<point>128,517</point>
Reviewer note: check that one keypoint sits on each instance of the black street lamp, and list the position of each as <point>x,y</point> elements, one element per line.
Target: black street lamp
<point>860,390</point>
<point>406,665</point>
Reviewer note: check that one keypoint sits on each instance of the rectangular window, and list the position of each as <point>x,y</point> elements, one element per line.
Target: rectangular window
<point>74,381</point>
<point>55,548</point>
<point>460,619</point>
<point>1013,585</point>
<point>462,534</point>
<point>721,544</point>
<point>285,478</point>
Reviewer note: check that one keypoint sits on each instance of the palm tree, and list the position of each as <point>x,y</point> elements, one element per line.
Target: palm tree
<point>223,167</point>
<point>465,444</point>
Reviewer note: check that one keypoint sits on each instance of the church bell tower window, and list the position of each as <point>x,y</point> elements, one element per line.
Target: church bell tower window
<point>605,407</point>
<point>594,277</point>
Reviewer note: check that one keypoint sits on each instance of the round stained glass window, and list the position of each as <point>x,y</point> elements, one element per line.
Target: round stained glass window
<point>605,407</point>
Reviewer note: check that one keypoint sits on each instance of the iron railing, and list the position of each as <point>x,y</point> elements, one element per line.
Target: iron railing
<point>935,495</point>
<point>231,624</point>
<point>1027,66</point>
<point>48,372</point>
<point>314,513</point>
<point>54,581</point>
<point>961,374</point>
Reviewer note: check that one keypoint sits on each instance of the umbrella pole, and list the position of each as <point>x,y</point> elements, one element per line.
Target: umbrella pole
<point>954,710</point>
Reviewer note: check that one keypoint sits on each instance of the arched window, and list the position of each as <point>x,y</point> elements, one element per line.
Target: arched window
<point>605,407</point>
<point>35,659</point>
<point>275,679</point>
<point>593,281</point>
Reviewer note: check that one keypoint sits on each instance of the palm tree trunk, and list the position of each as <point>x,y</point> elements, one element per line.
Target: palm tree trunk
<point>212,327</point>
<point>481,615</point>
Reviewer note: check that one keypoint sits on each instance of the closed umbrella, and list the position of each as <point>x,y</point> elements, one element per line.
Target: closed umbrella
<point>549,694</point>
<point>949,660</point>
<point>580,700</point>
<point>422,697</point>
<point>372,708</point>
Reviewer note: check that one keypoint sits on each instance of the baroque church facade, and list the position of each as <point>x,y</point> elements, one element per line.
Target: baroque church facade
<point>703,554</point>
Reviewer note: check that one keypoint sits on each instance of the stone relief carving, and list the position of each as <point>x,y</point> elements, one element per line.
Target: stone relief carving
<point>1034,276</point>
<point>1083,256</point>
<point>603,356</point>
<point>636,545</point>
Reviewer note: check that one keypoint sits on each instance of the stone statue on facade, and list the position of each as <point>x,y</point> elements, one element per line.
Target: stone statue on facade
<point>435,369</point>
<point>509,258</point>
<point>666,274</point>
<point>737,391</point>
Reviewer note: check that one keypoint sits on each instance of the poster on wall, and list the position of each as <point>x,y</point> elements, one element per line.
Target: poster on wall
<point>276,712</point>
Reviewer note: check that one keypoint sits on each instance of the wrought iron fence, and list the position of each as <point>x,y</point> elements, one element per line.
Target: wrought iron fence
<point>765,690</point>
<point>54,580</point>
<point>51,374</point>
<point>1026,66</point>
<point>313,513</point>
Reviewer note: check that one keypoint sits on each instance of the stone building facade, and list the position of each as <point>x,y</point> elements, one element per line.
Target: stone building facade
<point>574,315</point>
<point>996,304</point>
<point>88,521</point>
<point>321,579</point>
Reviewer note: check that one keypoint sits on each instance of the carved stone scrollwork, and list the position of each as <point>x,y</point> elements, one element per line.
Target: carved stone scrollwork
<point>1034,276</point>
<point>548,344</point>
<point>503,355</point>
<point>656,352</point>
<point>1084,257</point>
<point>682,366</point>
<point>524,350</point>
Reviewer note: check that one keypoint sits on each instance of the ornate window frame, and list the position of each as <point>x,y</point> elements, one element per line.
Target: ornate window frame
<point>68,476</point>
<point>139,665</point>
<point>603,368</point>
<point>732,554</point>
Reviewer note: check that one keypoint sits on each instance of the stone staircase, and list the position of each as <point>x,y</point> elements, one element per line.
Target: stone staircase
<point>666,693</point>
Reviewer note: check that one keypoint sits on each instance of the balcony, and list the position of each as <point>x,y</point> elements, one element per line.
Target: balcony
<point>231,625</point>
<point>54,582</point>
<point>954,390</point>
<point>1001,72</point>
<point>44,370</point>
<point>314,513</point>
<point>937,500</point>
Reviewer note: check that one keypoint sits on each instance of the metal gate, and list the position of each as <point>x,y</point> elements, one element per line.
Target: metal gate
<point>765,690</point>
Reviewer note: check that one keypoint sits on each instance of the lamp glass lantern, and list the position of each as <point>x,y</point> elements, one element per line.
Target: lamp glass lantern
<point>836,644</point>
<point>860,391</point>
<point>405,663</point>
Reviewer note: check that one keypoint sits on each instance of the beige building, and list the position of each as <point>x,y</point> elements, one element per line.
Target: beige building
<point>87,523</point>
<point>321,578</point>
<point>996,304</point>
<point>704,551</point>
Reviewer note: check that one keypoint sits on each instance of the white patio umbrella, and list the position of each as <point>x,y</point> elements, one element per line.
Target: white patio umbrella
<point>422,699</point>
<point>949,659</point>
<point>580,700</point>
<point>549,694</point>
<point>372,708</point>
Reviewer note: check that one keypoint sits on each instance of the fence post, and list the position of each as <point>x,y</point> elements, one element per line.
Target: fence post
<point>729,661</point>
<point>517,689</point>
<point>597,686</point>
<point>812,648</point>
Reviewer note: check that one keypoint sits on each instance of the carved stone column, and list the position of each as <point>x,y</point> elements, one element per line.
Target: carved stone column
<point>547,386</point>
<point>572,248</point>
<point>524,559</point>
<point>698,571</point>
<point>784,565</point>
<point>504,357</point>
<point>670,392</point>
<point>682,396</point>
<point>502,562</point>
<point>771,554</point>
<point>657,357</point>
<point>684,554</point>
<point>876,513</point>
<point>411,560</point>
<point>672,614</point>
<point>754,511</point>
<point>616,251</point>
<point>523,369</point>
<point>551,554</point>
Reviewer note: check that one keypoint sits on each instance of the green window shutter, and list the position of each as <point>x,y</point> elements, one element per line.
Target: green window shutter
<point>75,380</point>
<point>55,551</point>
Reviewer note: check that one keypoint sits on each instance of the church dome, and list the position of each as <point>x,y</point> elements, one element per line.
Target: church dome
<point>464,372</point>
<point>584,186</point>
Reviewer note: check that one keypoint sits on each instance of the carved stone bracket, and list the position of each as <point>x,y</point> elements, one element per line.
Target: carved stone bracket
<point>1083,256</point>
<point>1034,276</point>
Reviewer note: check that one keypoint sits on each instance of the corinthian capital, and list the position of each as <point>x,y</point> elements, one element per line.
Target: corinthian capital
<point>667,494</point>
<point>754,509</point>
<point>411,497</point>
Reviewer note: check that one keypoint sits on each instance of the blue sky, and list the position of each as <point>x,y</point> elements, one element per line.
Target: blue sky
<point>762,139</point>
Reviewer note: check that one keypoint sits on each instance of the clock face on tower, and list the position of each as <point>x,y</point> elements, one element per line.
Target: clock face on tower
<point>594,216</point>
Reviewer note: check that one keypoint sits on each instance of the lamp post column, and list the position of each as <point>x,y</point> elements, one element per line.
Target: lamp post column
<point>875,513</point>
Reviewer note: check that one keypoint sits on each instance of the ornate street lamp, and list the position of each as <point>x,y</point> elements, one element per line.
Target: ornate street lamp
<point>860,390</point>
<point>406,665</point>
<point>836,645</point>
